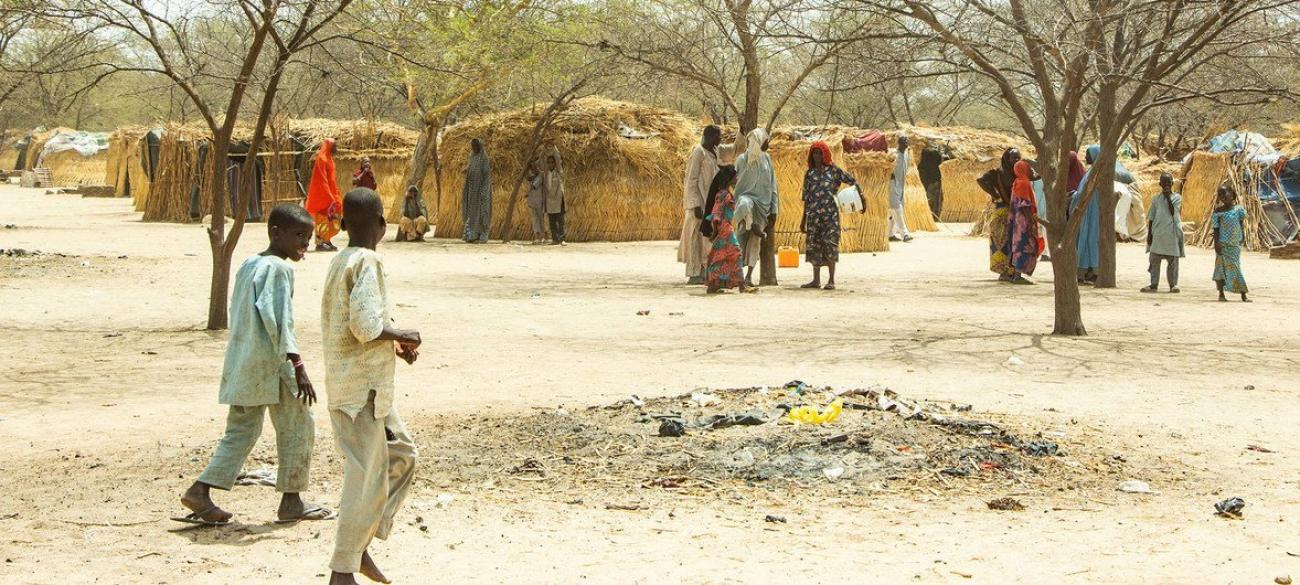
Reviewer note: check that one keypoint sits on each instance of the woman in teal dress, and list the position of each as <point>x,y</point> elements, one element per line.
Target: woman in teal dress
<point>1229,235</point>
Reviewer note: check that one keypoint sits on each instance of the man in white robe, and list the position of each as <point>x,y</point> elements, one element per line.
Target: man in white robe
<point>693,249</point>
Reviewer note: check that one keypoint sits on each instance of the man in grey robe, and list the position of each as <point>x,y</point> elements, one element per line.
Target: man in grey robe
<point>1165,234</point>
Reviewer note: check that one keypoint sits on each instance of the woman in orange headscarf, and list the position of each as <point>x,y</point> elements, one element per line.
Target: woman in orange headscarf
<point>323,200</point>
<point>1023,225</point>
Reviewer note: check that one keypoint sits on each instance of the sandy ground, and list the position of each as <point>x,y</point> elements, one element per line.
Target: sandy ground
<point>108,410</point>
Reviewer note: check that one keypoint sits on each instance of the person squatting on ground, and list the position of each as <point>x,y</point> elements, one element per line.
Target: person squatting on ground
<point>701,167</point>
<point>897,186</point>
<point>323,200</point>
<point>263,372</point>
<point>1228,223</point>
<point>821,213</point>
<point>361,345</point>
<point>415,217</point>
<point>1165,234</point>
<point>757,202</point>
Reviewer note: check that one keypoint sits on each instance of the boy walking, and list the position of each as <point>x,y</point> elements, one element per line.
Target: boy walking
<point>360,349</point>
<point>262,370</point>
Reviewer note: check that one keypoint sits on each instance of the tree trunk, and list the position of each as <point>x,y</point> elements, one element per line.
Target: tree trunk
<point>218,312</point>
<point>1065,289</point>
<point>767,257</point>
<point>420,160</point>
<point>1105,173</point>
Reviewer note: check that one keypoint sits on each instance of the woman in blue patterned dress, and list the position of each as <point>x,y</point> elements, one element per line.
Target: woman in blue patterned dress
<point>1229,235</point>
<point>821,213</point>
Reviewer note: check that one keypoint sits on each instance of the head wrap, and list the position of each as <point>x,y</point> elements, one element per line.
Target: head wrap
<point>823,148</point>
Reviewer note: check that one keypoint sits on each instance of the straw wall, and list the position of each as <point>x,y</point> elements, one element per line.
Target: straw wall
<point>1207,172</point>
<point>169,193</point>
<point>860,232</point>
<point>69,169</point>
<point>617,189</point>
<point>963,199</point>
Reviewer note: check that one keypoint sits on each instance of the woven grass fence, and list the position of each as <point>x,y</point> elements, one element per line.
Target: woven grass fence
<point>169,193</point>
<point>69,168</point>
<point>617,189</point>
<point>860,232</point>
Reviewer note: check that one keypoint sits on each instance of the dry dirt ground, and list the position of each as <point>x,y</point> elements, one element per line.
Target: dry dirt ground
<point>108,410</point>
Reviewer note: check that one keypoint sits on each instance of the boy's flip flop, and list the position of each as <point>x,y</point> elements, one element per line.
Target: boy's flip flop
<point>312,513</point>
<point>197,518</point>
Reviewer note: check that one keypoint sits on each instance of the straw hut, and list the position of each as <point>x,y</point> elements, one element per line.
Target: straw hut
<point>974,152</point>
<point>284,165</point>
<point>128,164</point>
<point>1207,171</point>
<point>622,166</point>
<point>68,168</point>
<point>8,149</point>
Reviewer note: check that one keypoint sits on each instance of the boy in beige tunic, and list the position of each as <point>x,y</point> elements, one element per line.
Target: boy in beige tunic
<point>360,348</point>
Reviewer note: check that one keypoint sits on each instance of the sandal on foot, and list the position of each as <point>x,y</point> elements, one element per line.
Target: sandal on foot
<point>1149,289</point>
<point>1174,289</point>
<point>812,285</point>
<point>197,518</point>
<point>311,513</point>
<point>829,287</point>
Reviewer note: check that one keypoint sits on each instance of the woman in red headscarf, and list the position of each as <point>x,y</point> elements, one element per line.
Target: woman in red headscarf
<point>323,200</point>
<point>821,213</point>
<point>1023,224</point>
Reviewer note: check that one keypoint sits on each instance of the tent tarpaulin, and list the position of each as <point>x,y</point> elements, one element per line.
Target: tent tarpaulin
<point>85,143</point>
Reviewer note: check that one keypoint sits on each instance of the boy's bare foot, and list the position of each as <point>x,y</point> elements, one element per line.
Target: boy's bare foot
<point>198,500</point>
<point>1244,299</point>
<point>1222,299</point>
<point>370,570</point>
<point>813,284</point>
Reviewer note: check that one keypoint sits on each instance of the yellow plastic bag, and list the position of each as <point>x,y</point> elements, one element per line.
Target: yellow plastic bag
<point>810,416</point>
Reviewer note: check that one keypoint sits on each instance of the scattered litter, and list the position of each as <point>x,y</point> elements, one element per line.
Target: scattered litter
<point>122,257</point>
<point>10,226</point>
<point>1250,386</point>
<point>636,401</point>
<point>1006,504</point>
<point>774,519</point>
<point>671,427</point>
<point>1015,361</point>
<point>835,439</point>
<point>1282,580</point>
<point>705,399</point>
<point>962,575</point>
<point>623,507</point>
<point>796,387</point>
<point>961,408</point>
<point>560,411</point>
<point>763,391</point>
<point>956,471</point>
<point>529,466</point>
<point>1134,486</point>
<point>833,473</point>
<point>677,314</point>
<point>1259,449</point>
<point>1040,449</point>
<point>643,312</point>
<point>149,352</point>
<point>1230,508</point>
<point>444,500</point>
<point>85,264</point>
<point>722,421</point>
<point>264,476</point>
<point>113,334</point>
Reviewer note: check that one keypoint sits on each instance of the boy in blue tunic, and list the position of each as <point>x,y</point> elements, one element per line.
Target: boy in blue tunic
<point>264,373</point>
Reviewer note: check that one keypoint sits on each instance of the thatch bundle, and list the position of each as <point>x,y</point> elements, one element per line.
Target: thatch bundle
<point>388,146</point>
<point>1209,171</point>
<point>8,153</point>
<point>69,168</point>
<point>617,188</point>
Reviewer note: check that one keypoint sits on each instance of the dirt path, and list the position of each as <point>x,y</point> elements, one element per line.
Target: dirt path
<point>107,409</point>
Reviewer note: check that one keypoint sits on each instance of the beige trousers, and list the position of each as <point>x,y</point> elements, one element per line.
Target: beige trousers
<point>379,463</point>
<point>414,228</point>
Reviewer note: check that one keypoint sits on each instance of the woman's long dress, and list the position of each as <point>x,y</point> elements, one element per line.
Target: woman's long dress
<point>1227,263</point>
<point>1024,236</point>
<point>822,213</point>
<point>723,268</point>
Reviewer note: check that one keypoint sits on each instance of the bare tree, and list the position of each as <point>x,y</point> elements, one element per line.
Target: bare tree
<point>1046,58</point>
<point>273,32</point>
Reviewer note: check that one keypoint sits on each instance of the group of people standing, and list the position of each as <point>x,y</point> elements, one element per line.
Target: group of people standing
<point>730,206</point>
<point>1017,241</point>
<point>546,200</point>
